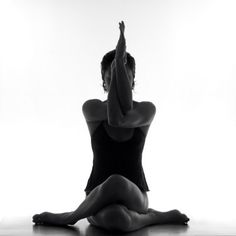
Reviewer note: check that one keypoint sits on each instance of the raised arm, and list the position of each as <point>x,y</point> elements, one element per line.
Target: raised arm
<point>123,79</point>
<point>141,113</point>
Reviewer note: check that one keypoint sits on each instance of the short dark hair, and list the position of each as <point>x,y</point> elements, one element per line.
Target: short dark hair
<point>107,60</point>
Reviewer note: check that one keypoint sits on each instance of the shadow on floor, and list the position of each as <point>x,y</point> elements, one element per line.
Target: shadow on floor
<point>92,230</point>
<point>56,230</point>
<point>147,231</point>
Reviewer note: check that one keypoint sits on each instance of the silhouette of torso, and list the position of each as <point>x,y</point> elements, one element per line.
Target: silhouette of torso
<point>117,157</point>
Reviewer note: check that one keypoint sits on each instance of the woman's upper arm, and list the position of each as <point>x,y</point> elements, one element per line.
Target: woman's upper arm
<point>94,110</point>
<point>141,115</point>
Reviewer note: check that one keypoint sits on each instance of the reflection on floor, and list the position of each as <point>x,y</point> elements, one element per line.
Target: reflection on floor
<point>23,226</point>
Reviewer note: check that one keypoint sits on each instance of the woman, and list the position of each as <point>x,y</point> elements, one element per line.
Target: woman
<point>116,197</point>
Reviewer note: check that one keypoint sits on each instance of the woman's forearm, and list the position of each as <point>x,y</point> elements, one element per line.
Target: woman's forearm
<point>124,88</point>
<point>114,111</point>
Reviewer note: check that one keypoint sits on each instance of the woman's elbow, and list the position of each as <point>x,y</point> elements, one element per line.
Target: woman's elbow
<point>114,122</point>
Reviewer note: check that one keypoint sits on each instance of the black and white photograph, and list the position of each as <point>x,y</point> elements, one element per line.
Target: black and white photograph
<point>117,117</point>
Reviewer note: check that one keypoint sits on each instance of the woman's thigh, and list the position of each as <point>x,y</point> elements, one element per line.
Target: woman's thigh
<point>124,192</point>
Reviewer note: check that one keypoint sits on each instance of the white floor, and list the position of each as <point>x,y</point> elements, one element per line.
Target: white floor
<point>23,226</point>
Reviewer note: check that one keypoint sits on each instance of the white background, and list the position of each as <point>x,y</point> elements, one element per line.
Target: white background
<point>50,54</point>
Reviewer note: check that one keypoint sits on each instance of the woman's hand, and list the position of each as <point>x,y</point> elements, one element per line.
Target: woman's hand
<point>121,45</point>
<point>122,27</point>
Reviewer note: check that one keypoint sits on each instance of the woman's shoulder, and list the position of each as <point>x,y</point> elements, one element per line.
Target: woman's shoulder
<point>99,102</point>
<point>91,102</point>
<point>145,107</point>
<point>94,110</point>
<point>146,104</point>
<point>98,107</point>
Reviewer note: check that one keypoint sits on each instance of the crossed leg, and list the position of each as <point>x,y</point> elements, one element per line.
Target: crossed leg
<point>116,204</point>
<point>118,217</point>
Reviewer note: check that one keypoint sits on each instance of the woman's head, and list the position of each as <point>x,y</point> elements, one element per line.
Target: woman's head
<point>106,67</point>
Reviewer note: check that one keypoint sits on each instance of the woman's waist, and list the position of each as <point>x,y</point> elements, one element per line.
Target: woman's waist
<point>115,167</point>
<point>112,163</point>
<point>115,157</point>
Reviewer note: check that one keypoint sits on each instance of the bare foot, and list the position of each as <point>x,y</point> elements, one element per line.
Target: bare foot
<point>48,218</point>
<point>169,217</point>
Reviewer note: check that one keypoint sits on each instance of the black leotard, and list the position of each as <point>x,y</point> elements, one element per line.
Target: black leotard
<point>113,157</point>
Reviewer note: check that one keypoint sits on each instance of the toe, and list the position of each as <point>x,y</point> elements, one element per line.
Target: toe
<point>186,219</point>
<point>36,219</point>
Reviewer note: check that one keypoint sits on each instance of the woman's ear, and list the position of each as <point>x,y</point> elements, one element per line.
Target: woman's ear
<point>113,64</point>
<point>104,86</point>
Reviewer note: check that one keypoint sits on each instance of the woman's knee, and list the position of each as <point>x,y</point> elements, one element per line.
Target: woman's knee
<point>115,217</point>
<point>116,184</point>
<point>121,190</point>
